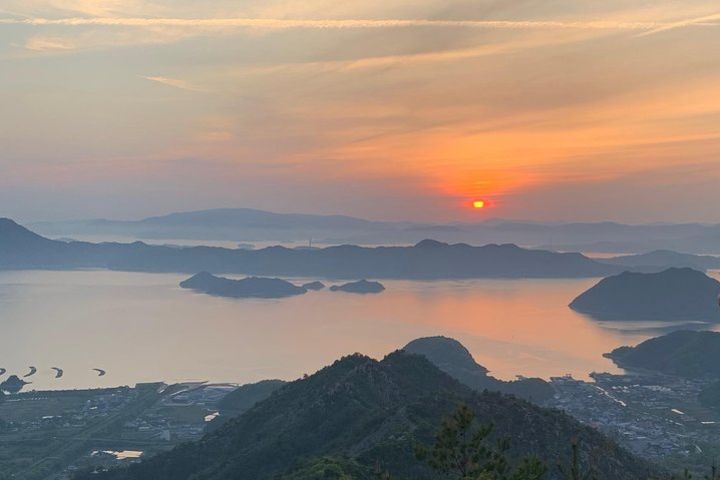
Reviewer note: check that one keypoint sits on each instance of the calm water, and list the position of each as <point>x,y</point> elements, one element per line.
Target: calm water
<point>143,327</point>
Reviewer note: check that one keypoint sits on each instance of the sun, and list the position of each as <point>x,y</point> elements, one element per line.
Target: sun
<point>478,204</point>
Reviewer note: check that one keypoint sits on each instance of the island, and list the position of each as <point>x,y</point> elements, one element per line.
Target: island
<point>675,294</point>
<point>21,249</point>
<point>361,286</point>
<point>684,353</point>
<point>313,285</point>
<point>250,287</point>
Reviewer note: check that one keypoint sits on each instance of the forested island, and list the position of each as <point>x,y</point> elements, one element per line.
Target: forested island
<point>361,286</point>
<point>675,294</point>
<point>251,287</point>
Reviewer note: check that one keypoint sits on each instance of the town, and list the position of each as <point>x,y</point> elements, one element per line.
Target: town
<point>51,434</point>
<point>655,416</point>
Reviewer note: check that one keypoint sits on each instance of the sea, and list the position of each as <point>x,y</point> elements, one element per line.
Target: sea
<point>142,327</point>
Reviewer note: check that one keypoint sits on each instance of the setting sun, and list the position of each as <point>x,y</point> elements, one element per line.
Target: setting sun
<point>478,204</point>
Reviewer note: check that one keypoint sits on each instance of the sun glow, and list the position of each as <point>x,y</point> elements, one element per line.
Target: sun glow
<point>478,204</point>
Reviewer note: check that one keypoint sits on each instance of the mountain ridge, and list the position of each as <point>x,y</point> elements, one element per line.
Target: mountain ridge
<point>248,225</point>
<point>373,412</point>
<point>443,260</point>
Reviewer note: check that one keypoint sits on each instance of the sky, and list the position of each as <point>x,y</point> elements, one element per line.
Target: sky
<point>549,110</point>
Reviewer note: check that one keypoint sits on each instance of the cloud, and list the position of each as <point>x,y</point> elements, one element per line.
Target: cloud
<point>176,83</point>
<point>49,44</point>
<point>276,23</point>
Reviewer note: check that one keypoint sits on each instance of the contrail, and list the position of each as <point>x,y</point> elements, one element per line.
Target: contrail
<point>274,23</point>
<point>699,21</point>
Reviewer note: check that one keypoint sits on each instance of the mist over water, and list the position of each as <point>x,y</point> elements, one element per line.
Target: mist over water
<point>143,327</point>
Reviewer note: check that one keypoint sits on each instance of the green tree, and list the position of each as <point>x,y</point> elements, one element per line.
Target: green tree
<point>463,451</point>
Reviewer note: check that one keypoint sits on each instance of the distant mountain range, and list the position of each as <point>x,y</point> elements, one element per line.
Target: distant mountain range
<point>675,294</point>
<point>367,414</point>
<point>662,259</point>
<point>236,224</point>
<point>248,225</point>
<point>429,259</point>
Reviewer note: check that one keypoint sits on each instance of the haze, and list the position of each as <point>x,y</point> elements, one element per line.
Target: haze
<point>562,110</point>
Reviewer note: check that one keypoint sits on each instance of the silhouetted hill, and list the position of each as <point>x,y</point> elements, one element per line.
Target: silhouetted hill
<point>663,259</point>
<point>426,260</point>
<point>361,286</point>
<point>15,236</point>
<point>17,243</point>
<point>453,358</point>
<point>677,294</point>
<point>251,287</point>
<point>252,218</point>
<point>682,353</point>
<point>372,413</point>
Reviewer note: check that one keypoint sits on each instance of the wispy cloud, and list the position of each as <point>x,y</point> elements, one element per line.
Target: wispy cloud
<point>49,44</point>
<point>176,83</point>
<point>707,20</point>
<point>276,23</point>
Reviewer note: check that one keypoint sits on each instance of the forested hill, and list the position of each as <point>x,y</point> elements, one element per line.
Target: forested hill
<point>675,294</point>
<point>453,358</point>
<point>372,413</point>
<point>683,353</point>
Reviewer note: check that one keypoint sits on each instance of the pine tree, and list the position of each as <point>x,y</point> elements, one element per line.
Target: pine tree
<point>463,451</point>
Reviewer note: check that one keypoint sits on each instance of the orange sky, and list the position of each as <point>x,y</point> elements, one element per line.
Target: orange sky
<point>563,110</point>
